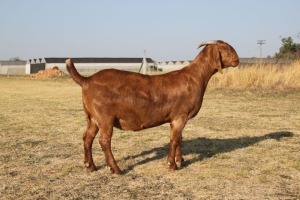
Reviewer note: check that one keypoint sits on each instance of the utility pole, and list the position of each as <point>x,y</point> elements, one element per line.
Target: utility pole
<point>261,42</point>
<point>144,65</point>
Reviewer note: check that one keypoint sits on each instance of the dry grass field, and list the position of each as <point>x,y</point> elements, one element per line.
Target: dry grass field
<point>244,143</point>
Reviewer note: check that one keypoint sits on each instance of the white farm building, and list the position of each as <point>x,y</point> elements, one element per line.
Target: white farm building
<point>9,67</point>
<point>92,65</point>
<point>89,64</point>
<point>168,66</point>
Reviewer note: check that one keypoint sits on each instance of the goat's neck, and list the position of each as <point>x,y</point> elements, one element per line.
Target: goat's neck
<point>200,75</point>
<point>201,71</point>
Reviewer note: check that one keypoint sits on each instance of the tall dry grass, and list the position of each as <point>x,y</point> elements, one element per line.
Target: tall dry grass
<point>259,77</point>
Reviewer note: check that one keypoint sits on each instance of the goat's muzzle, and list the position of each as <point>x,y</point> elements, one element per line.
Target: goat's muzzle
<point>235,62</point>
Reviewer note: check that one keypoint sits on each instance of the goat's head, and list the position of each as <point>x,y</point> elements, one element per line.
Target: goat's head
<point>220,54</point>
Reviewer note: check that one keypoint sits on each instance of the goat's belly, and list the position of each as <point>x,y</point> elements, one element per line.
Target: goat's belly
<point>135,125</point>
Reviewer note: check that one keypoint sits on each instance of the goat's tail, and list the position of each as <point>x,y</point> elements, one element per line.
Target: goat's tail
<point>74,73</point>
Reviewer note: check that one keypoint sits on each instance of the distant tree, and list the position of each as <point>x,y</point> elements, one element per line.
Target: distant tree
<point>15,59</point>
<point>289,49</point>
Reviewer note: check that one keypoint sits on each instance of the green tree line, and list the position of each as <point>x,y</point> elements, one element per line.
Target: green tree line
<point>288,50</point>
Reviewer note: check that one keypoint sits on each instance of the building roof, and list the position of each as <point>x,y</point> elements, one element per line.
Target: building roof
<point>12,62</point>
<point>97,60</point>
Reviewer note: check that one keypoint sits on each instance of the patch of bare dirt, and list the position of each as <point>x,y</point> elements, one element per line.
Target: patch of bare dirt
<point>48,73</point>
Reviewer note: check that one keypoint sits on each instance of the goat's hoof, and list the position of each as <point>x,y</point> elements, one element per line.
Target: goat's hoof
<point>116,171</point>
<point>172,167</point>
<point>90,168</point>
<point>180,163</point>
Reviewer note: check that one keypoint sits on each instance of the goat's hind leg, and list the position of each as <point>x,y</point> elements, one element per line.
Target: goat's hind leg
<point>105,142</point>
<point>88,138</point>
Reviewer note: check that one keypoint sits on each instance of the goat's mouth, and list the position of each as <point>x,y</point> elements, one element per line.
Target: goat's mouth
<point>231,64</point>
<point>235,63</point>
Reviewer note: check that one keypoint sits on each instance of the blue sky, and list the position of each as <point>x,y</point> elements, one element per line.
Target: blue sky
<point>168,30</point>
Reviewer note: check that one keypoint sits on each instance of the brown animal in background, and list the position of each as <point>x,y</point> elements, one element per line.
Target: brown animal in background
<point>132,101</point>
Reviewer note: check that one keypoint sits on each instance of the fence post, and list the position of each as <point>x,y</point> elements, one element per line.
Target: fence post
<point>7,73</point>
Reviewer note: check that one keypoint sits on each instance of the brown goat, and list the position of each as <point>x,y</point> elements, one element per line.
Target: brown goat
<point>132,101</point>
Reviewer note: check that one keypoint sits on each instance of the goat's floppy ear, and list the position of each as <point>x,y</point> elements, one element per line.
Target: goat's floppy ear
<point>216,59</point>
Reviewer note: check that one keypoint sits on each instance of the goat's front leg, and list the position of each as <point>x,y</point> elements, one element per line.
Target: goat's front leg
<point>175,143</point>
<point>178,156</point>
<point>105,142</point>
<point>88,138</point>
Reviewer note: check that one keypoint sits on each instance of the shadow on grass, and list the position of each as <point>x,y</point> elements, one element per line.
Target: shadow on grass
<point>205,148</point>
